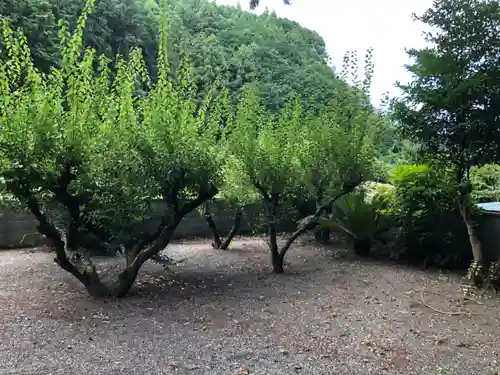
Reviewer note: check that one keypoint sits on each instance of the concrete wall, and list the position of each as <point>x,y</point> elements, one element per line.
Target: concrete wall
<point>18,229</point>
<point>489,234</point>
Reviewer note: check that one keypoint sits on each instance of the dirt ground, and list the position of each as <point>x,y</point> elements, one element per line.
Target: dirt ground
<point>224,312</point>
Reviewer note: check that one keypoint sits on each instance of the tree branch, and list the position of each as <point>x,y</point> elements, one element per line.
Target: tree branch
<point>167,231</point>
<point>263,191</point>
<point>311,221</point>
<point>236,225</point>
<point>147,239</point>
<point>47,229</point>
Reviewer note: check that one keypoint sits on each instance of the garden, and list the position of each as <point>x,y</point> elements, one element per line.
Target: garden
<point>355,243</point>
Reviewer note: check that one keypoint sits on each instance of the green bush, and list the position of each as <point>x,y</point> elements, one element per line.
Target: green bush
<point>429,229</point>
<point>486,183</point>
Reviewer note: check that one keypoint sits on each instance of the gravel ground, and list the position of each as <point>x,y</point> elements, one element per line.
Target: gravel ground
<point>224,312</point>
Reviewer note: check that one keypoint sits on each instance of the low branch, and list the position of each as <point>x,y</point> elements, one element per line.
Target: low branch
<point>204,195</point>
<point>312,221</point>
<point>50,231</point>
<point>166,233</point>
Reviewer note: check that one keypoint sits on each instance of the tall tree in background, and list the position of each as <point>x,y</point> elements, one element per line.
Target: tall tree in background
<point>255,3</point>
<point>36,19</point>
<point>452,106</point>
<point>222,42</point>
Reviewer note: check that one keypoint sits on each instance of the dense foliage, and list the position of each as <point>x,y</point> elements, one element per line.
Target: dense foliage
<point>428,227</point>
<point>100,141</point>
<point>451,106</point>
<point>88,149</point>
<point>486,183</point>
<point>82,140</point>
<point>361,217</point>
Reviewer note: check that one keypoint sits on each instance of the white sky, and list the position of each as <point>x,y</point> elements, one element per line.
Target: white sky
<point>384,25</point>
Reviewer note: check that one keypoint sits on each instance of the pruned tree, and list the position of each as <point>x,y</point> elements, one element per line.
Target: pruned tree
<point>452,106</point>
<point>338,152</point>
<point>233,192</point>
<point>85,142</point>
<point>295,152</point>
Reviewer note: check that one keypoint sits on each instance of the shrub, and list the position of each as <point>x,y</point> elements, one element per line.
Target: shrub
<point>429,229</point>
<point>486,183</point>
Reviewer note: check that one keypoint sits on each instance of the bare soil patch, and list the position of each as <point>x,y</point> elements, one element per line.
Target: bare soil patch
<point>224,311</point>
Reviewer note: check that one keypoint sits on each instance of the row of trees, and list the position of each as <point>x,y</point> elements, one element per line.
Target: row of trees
<point>89,145</point>
<point>99,147</point>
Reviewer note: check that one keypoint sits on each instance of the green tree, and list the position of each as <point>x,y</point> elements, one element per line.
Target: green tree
<point>452,106</point>
<point>255,3</point>
<point>340,144</point>
<point>234,193</point>
<point>486,183</point>
<point>296,152</point>
<point>82,140</point>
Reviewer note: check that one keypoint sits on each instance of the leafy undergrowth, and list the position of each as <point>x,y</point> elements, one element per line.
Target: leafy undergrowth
<point>224,312</point>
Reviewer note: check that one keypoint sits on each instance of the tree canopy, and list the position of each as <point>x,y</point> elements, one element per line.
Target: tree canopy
<point>255,3</point>
<point>80,139</point>
<point>452,106</point>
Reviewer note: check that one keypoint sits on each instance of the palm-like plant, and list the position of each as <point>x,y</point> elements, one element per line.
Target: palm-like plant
<point>359,218</point>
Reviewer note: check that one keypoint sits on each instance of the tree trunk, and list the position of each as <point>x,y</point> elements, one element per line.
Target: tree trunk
<point>97,289</point>
<point>236,226</point>
<point>477,251</point>
<point>207,214</point>
<point>362,246</point>
<point>125,281</point>
<point>218,242</point>
<point>464,206</point>
<point>127,277</point>
<point>322,235</point>
<point>276,258</point>
<point>277,261</point>
<point>271,203</point>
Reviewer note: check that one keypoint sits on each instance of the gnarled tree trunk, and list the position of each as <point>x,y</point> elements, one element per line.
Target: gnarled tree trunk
<point>83,269</point>
<point>271,203</point>
<point>464,206</point>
